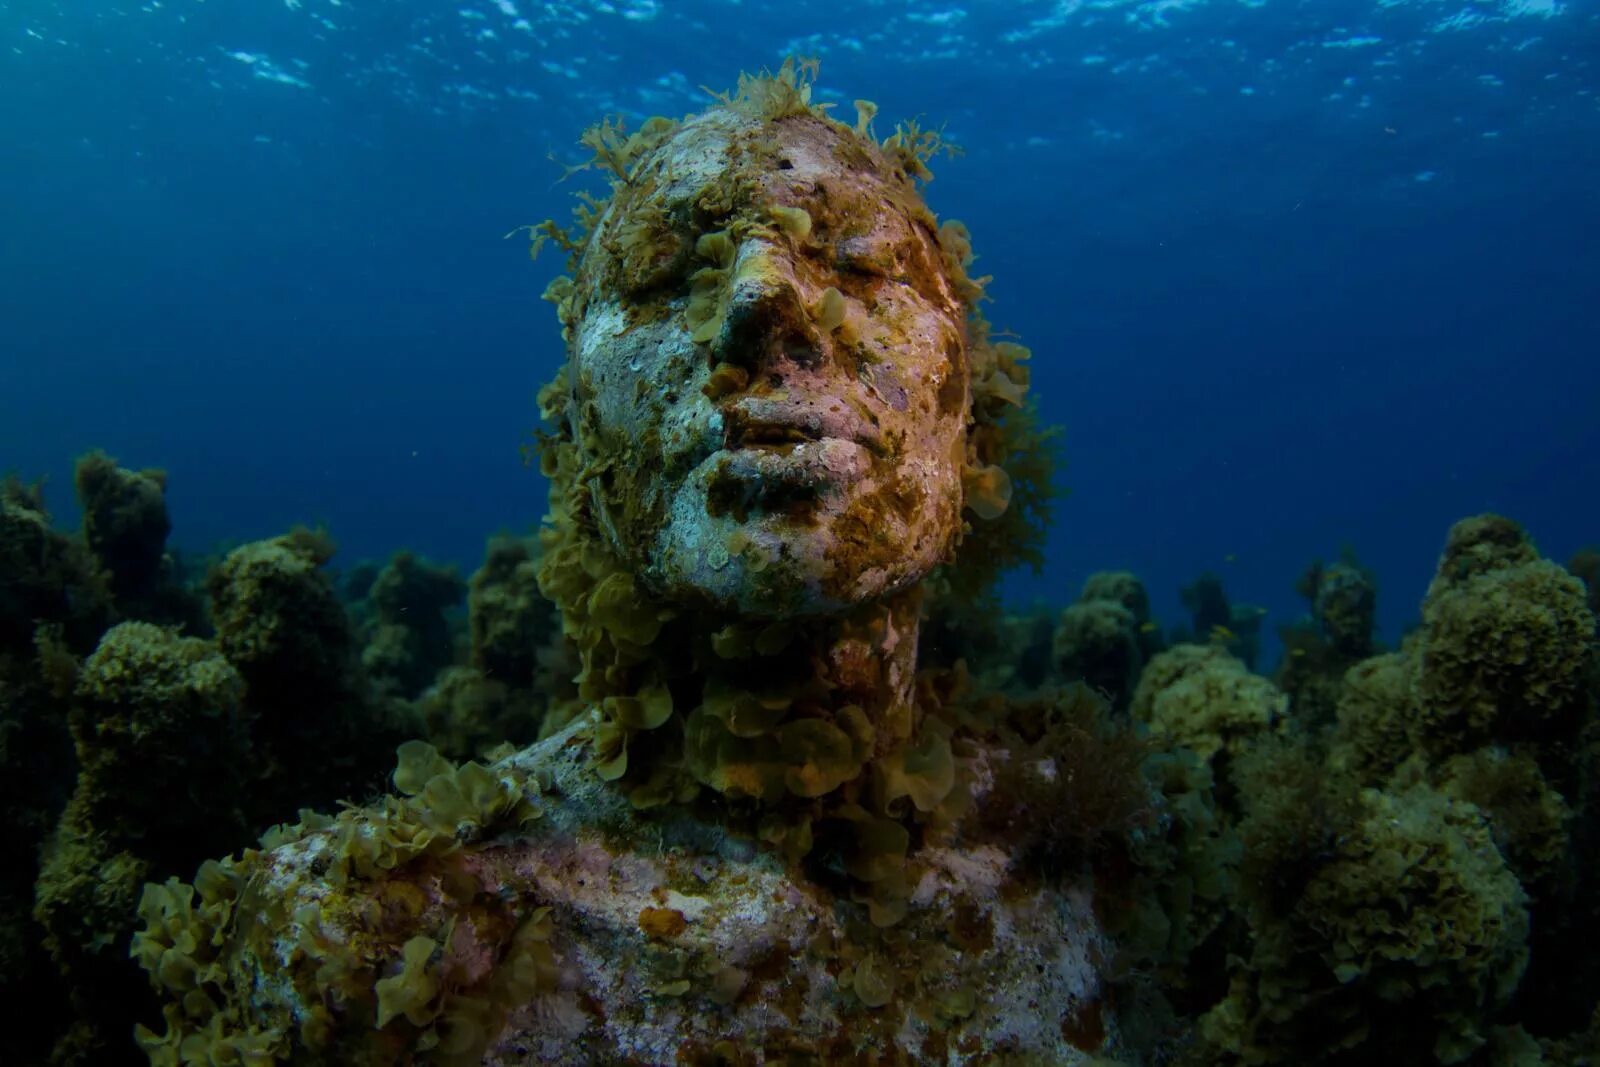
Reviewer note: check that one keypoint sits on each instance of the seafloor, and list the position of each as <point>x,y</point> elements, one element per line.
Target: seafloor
<point>1357,854</point>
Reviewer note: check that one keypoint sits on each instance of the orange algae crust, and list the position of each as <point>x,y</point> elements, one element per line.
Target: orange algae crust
<point>662,924</point>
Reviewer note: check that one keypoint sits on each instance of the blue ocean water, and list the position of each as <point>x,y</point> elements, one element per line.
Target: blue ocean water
<point>1297,275</point>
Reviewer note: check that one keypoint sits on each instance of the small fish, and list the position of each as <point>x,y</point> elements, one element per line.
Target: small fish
<point>1222,633</point>
<point>1148,627</point>
<point>1297,652</point>
<point>1231,557</point>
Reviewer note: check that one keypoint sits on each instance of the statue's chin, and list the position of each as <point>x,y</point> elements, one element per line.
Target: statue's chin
<point>766,566</point>
<point>756,557</point>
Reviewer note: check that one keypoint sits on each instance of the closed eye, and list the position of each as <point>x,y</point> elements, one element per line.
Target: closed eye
<point>861,265</point>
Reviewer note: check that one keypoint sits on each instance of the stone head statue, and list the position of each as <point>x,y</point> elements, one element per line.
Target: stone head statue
<point>780,413</point>
<point>773,364</point>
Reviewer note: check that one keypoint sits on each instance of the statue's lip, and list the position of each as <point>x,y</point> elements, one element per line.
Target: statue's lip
<point>757,422</point>
<point>804,467</point>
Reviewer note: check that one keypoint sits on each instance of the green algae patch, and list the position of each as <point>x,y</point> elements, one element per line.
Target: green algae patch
<point>410,992</point>
<point>821,757</point>
<point>988,490</point>
<point>924,771</point>
<point>617,606</point>
<point>872,983</point>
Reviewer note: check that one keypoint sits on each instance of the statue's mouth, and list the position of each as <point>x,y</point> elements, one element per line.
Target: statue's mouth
<point>789,453</point>
<point>772,423</point>
<point>789,477</point>
<point>753,435</point>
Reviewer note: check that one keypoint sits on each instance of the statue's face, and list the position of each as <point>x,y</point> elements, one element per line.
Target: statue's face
<point>789,441</point>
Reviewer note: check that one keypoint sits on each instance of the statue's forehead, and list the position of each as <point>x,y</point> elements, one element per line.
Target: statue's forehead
<point>802,164</point>
<point>693,159</point>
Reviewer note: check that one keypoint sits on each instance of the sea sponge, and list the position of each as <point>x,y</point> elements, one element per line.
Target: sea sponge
<point>1479,545</point>
<point>1376,714</point>
<point>159,731</point>
<point>277,616</point>
<point>318,733</point>
<point>662,924</point>
<point>1122,587</point>
<point>1184,863</point>
<point>46,577</point>
<point>154,712</point>
<point>1207,604</point>
<point>1399,949</point>
<point>1097,642</point>
<point>1201,697</point>
<point>1345,605</point>
<point>465,713</point>
<point>1585,564</point>
<point>509,620</point>
<point>1530,821</point>
<point>125,524</point>
<point>409,639</point>
<point>1505,652</point>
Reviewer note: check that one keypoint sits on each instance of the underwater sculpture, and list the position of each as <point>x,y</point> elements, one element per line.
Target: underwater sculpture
<point>753,832</point>
<point>747,838</point>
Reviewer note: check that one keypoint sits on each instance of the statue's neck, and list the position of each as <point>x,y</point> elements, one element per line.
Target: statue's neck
<point>871,655</point>
<point>866,657</point>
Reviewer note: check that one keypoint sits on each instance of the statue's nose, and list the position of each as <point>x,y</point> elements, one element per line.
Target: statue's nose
<point>767,322</point>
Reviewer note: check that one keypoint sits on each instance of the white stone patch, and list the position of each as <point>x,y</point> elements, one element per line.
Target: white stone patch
<point>692,908</point>
<point>976,873</point>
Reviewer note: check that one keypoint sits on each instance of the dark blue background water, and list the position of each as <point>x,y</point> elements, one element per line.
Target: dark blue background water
<point>1296,276</point>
